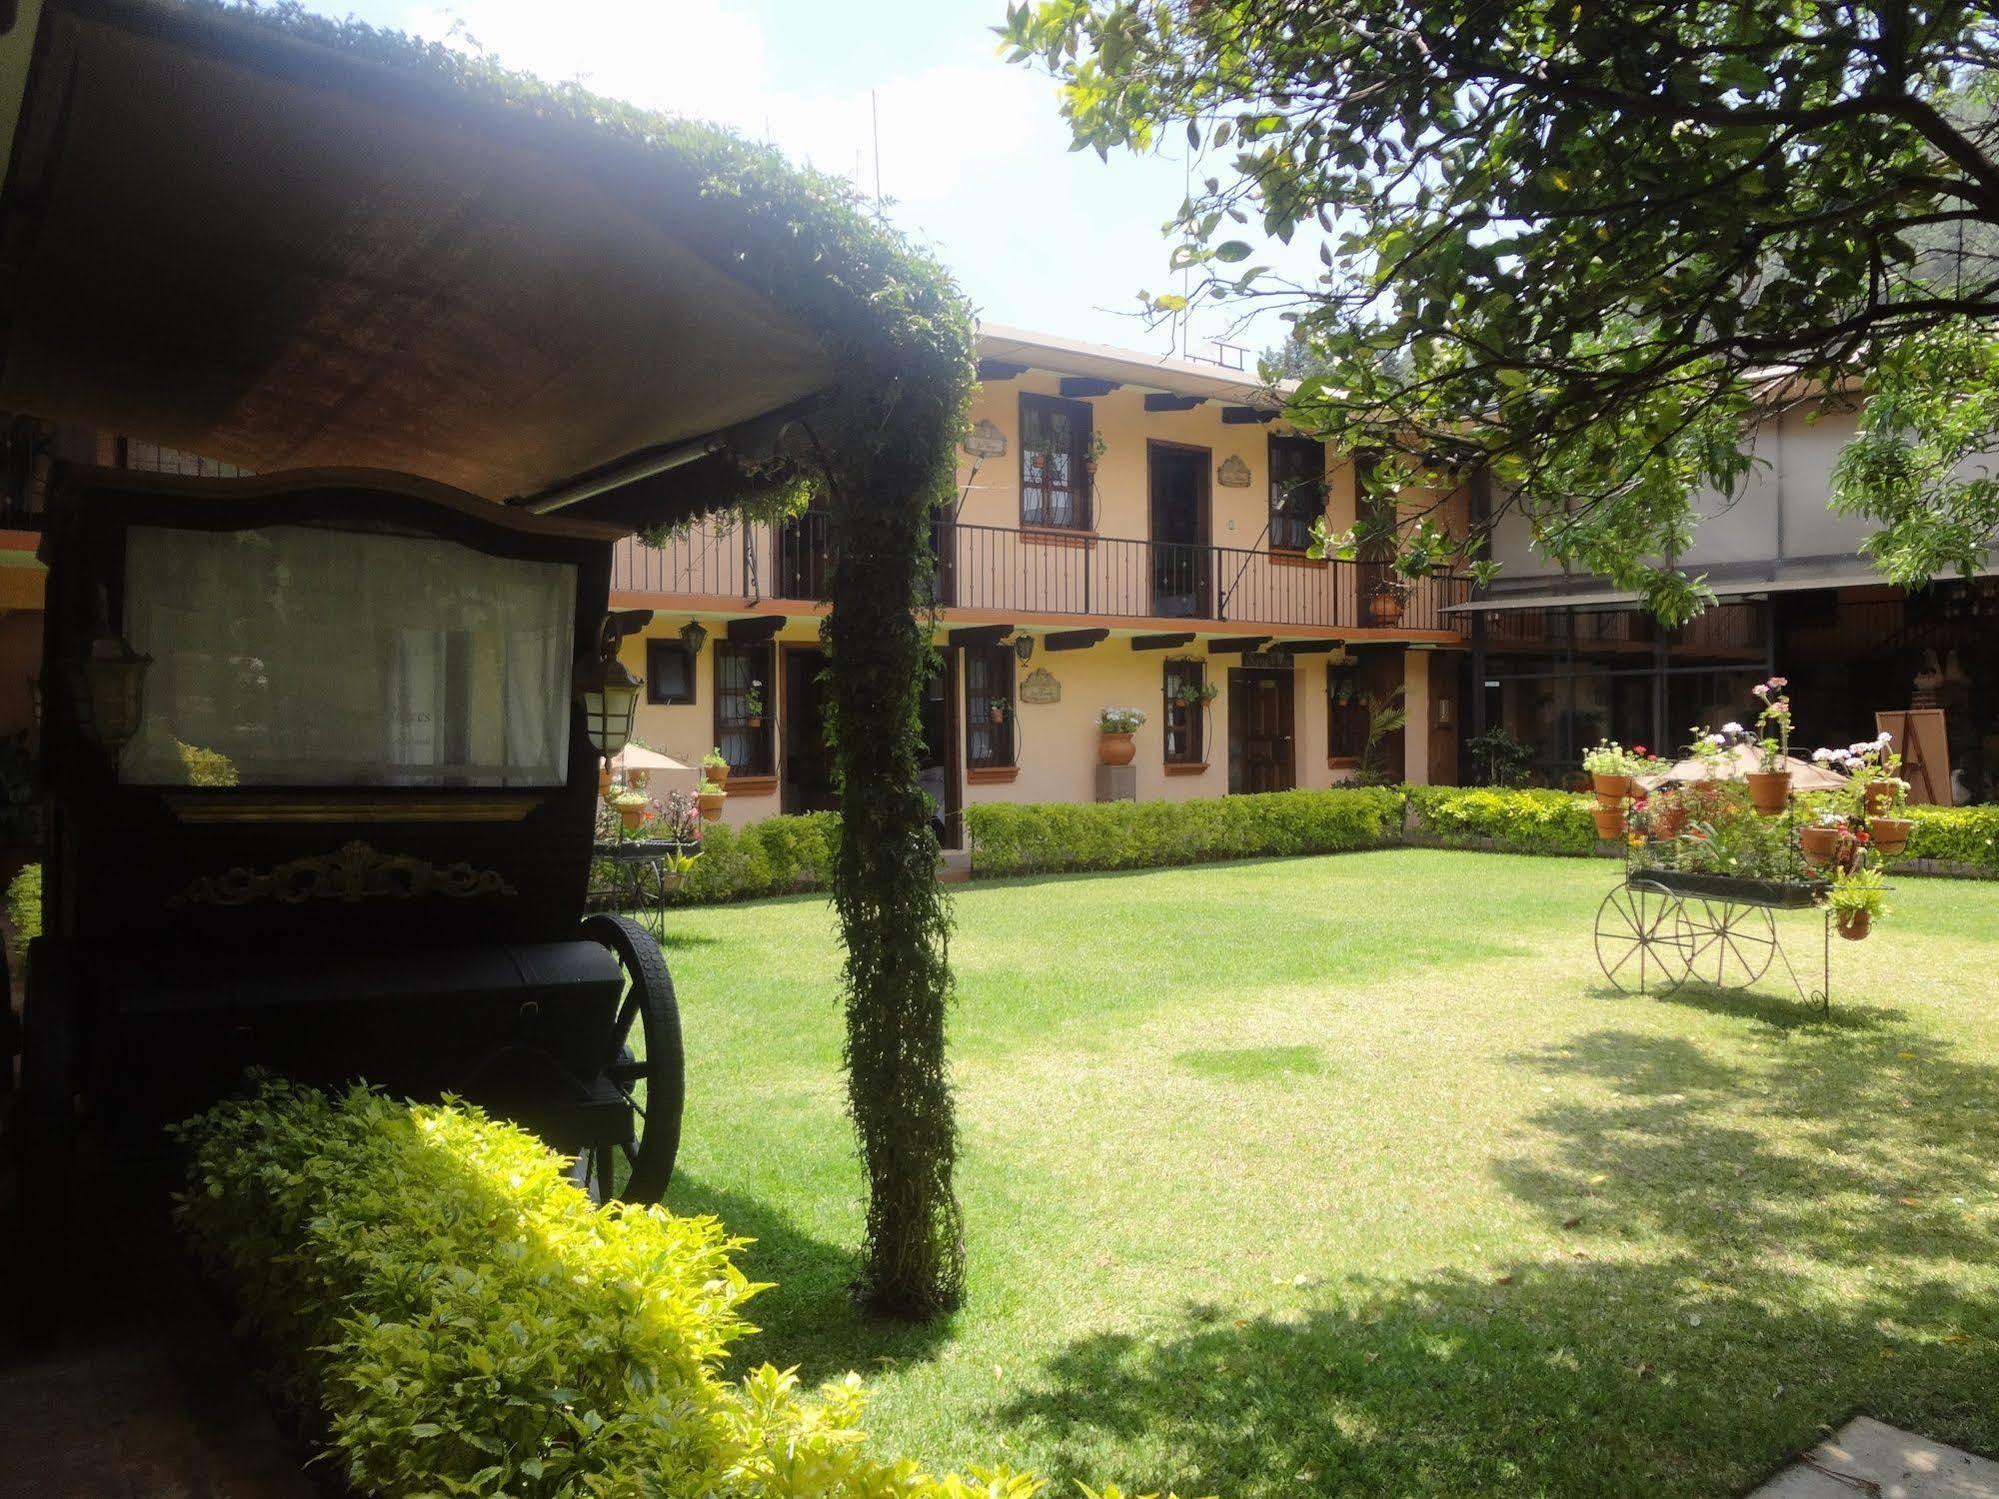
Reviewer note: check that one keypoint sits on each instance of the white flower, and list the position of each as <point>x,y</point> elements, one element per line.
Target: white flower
<point>1822,754</point>
<point>1731,728</point>
<point>1717,741</point>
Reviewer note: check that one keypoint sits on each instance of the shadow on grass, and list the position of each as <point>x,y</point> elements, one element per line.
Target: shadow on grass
<point>1807,1251</point>
<point>1783,1011</point>
<point>807,1318</point>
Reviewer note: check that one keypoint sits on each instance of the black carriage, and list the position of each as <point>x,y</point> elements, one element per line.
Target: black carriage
<point>321,753</point>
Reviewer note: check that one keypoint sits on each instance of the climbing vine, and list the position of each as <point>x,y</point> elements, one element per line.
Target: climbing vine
<point>900,337</point>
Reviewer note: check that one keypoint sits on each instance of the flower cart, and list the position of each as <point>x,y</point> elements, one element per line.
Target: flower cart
<point>1661,928</point>
<point>634,870</point>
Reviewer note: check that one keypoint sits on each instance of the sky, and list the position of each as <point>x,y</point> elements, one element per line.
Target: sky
<point>974,158</point>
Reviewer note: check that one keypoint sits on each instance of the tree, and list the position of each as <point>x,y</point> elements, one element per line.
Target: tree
<point>1611,236</point>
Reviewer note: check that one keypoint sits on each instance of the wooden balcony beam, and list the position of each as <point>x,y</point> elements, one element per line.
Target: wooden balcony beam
<point>1000,369</point>
<point>1247,416</point>
<point>754,629</point>
<point>1159,401</point>
<point>1074,640</point>
<point>1304,647</point>
<point>1161,642</point>
<point>1082,387</point>
<point>1236,645</point>
<point>978,634</point>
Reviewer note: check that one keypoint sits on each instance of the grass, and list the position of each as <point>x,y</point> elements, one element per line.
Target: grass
<point>1349,1175</point>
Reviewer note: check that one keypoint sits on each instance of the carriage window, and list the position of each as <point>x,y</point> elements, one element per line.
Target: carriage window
<point>298,656</point>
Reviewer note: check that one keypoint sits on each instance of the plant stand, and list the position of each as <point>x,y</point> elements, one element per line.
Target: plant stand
<point>635,876</point>
<point>1661,928</point>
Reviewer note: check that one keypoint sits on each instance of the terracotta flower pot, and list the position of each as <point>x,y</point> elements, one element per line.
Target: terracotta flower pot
<point>1880,798</point>
<point>719,774</point>
<point>1854,925</point>
<point>1610,790</point>
<point>711,805</point>
<point>1609,823</point>
<point>754,721</point>
<point>1384,608</point>
<point>632,818</point>
<point>1819,844</point>
<point>1116,749</point>
<point>603,779</point>
<point>1667,824</point>
<point>1770,791</point>
<point>1890,834</point>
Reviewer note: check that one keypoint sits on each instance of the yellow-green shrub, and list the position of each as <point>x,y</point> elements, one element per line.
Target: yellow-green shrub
<point>464,1322</point>
<point>1956,835</point>
<point>24,915</point>
<point>774,856</point>
<point>1526,822</point>
<point>1012,839</point>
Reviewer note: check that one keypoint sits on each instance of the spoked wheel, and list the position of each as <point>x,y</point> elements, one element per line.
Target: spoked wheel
<point>1727,946</point>
<point>1638,945</point>
<point>644,1064</point>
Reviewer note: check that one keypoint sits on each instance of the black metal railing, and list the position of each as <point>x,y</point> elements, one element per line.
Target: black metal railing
<point>1002,569</point>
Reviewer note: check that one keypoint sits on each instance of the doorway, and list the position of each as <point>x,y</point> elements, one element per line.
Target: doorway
<point>806,780</point>
<point>1182,567</point>
<point>1262,747</point>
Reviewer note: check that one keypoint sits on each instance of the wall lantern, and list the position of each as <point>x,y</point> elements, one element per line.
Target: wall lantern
<point>693,637</point>
<point>1023,648</point>
<point>107,691</point>
<point>608,693</point>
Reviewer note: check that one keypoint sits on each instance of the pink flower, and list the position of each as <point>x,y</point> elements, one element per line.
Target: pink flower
<point>1761,689</point>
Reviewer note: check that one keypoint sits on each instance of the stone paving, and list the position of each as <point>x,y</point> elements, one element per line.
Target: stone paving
<point>1868,1459</point>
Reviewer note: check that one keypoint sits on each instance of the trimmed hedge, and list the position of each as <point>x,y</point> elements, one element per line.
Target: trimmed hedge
<point>24,916</point>
<point>776,856</point>
<point>1967,836</point>
<point>454,1317</point>
<point>1524,822</point>
<point>1040,838</point>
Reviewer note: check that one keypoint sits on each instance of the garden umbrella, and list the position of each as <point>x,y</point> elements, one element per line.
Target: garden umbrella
<point>1736,763</point>
<point>638,757</point>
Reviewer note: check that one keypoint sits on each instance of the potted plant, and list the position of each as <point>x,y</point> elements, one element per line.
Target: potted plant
<point>1093,453</point>
<point>1385,602</point>
<point>631,807</point>
<point>710,796</point>
<point>1858,896</point>
<point>996,711</point>
<point>715,767</point>
<point>679,821</point>
<point>604,778</point>
<point>753,704</point>
<point>1770,782</point>
<point>1188,693</point>
<point>1819,841</point>
<point>1610,767</point>
<point>1876,794</point>
<point>1115,726</point>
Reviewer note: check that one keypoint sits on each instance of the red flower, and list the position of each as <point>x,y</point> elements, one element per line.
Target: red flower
<point>1637,749</point>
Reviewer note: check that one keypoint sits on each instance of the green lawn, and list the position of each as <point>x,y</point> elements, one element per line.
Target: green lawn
<point>1349,1175</point>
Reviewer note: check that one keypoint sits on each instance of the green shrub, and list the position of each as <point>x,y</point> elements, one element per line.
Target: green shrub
<point>776,856</point>
<point>1527,822</point>
<point>1957,835</point>
<point>1013,839</point>
<point>24,915</point>
<point>457,1318</point>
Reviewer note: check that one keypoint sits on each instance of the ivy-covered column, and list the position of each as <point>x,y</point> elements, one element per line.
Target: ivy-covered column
<point>894,916</point>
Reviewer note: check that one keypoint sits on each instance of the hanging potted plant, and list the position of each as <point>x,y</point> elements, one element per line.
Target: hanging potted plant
<point>1187,694</point>
<point>1385,602</point>
<point>1770,782</point>
<point>996,711</point>
<point>631,807</point>
<point>1819,841</point>
<point>1115,726</point>
<point>711,797</point>
<point>1093,453</point>
<point>753,704</point>
<point>1610,767</point>
<point>604,778</point>
<point>715,767</point>
<point>1858,897</point>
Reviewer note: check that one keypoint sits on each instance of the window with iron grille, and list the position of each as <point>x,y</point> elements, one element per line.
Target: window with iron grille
<point>669,672</point>
<point>1297,491</point>
<point>746,707</point>
<point>988,707</point>
<point>1054,462</point>
<point>1186,712</point>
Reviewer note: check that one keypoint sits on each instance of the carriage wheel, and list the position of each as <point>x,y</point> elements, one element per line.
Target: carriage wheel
<point>644,1063</point>
<point>1637,941</point>
<point>1727,946</point>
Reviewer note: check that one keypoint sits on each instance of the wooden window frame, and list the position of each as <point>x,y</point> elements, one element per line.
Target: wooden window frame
<point>1188,721</point>
<point>1285,535</point>
<point>655,693</point>
<point>979,727</point>
<point>732,730</point>
<point>1039,514</point>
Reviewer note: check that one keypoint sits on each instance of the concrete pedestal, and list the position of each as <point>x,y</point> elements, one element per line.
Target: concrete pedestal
<point>1117,783</point>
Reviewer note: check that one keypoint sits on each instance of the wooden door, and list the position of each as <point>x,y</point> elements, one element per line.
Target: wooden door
<point>1182,562</point>
<point>1262,743</point>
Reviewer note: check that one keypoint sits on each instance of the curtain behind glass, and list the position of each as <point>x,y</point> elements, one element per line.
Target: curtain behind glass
<point>311,657</point>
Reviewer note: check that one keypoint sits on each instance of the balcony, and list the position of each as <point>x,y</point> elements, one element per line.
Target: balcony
<point>1003,571</point>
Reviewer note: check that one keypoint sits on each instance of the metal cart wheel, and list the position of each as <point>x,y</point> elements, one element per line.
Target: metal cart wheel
<point>1638,940</point>
<point>645,1064</point>
<point>1727,946</point>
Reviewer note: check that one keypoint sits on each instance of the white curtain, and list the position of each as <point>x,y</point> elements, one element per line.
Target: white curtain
<point>313,657</point>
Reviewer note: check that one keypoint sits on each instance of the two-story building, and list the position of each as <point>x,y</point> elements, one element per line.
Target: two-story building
<point>1129,531</point>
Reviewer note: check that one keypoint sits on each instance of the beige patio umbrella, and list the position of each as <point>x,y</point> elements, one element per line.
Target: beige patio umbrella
<point>638,757</point>
<point>1736,763</point>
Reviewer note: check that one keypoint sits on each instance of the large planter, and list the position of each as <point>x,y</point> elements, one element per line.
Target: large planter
<point>1854,925</point>
<point>632,817</point>
<point>1610,790</point>
<point>1890,834</point>
<point>1385,607</point>
<point>1880,798</point>
<point>711,804</point>
<point>1819,844</point>
<point>1770,791</point>
<point>1116,749</point>
<point>1609,822</point>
